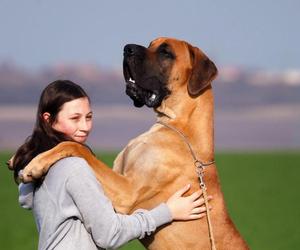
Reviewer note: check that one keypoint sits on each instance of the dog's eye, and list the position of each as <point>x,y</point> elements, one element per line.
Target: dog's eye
<point>166,53</point>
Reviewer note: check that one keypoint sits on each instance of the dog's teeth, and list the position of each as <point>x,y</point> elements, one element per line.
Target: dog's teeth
<point>131,80</point>
<point>153,96</point>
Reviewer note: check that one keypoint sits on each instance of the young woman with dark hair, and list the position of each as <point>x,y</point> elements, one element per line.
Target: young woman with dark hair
<point>44,135</point>
<point>70,208</point>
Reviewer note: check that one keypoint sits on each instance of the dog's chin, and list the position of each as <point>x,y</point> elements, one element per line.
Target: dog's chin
<point>141,97</point>
<point>152,100</point>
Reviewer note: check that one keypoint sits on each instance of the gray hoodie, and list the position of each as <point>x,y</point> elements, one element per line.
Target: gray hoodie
<point>72,212</point>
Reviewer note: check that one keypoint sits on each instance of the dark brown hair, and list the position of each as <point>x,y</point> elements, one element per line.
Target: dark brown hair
<point>44,137</point>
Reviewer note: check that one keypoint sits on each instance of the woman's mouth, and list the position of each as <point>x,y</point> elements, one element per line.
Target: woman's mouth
<point>80,138</point>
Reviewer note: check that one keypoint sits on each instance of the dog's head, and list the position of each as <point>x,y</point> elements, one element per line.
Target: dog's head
<point>152,73</point>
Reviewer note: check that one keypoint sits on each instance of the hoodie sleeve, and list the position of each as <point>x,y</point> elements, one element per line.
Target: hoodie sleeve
<point>108,228</point>
<point>26,195</point>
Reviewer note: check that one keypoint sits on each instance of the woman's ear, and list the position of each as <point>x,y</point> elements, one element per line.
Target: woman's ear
<point>46,117</point>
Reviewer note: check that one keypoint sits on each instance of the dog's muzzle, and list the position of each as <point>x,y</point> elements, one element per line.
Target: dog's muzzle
<point>142,88</point>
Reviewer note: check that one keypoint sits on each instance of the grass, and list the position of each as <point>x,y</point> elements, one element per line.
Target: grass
<point>261,191</point>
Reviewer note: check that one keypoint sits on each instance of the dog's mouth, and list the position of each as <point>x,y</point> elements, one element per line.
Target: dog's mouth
<point>151,97</point>
<point>145,91</point>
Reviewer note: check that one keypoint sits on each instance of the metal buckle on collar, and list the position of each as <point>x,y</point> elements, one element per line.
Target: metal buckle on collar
<point>200,172</point>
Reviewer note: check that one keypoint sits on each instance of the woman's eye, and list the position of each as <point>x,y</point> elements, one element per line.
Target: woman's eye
<point>89,117</point>
<point>74,118</point>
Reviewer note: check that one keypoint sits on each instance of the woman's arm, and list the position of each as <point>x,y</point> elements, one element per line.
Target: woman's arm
<point>108,228</point>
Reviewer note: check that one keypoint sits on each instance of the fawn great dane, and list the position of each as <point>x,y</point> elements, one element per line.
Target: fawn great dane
<point>174,78</point>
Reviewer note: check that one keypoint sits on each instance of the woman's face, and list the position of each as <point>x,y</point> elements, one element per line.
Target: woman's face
<point>75,119</point>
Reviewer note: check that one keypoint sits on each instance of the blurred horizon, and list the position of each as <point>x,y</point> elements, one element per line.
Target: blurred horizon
<point>254,109</point>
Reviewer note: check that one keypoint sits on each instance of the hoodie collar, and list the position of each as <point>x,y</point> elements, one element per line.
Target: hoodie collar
<point>26,192</point>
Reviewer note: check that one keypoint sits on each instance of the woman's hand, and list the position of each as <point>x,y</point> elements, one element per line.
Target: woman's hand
<point>187,208</point>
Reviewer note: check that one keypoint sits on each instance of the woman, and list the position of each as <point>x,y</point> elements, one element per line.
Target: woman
<point>69,205</point>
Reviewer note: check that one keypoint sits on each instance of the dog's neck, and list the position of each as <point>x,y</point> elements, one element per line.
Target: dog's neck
<point>193,117</point>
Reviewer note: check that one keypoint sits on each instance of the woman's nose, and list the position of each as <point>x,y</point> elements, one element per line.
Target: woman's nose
<point>84,125</point>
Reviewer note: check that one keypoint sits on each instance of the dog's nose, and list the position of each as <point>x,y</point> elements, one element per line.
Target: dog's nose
<point>131,49</point>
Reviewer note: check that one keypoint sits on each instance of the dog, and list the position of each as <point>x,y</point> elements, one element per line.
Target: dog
<point>174,78</point>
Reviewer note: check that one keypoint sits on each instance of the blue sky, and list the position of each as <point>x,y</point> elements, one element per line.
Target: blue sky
<point>255,34</point>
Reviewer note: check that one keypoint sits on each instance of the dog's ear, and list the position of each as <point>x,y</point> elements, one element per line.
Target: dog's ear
<point>203,71</point>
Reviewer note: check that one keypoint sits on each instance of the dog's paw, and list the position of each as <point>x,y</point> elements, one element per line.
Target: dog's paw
<point>33,171</point>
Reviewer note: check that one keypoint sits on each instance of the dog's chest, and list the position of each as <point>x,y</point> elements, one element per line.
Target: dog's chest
<point>140,153</point>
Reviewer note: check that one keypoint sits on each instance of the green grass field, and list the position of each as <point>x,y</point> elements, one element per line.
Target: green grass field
<point>261,192</point>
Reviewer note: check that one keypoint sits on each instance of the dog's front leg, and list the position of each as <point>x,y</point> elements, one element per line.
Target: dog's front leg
<point>40,165</point>
<point>116,186</point>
